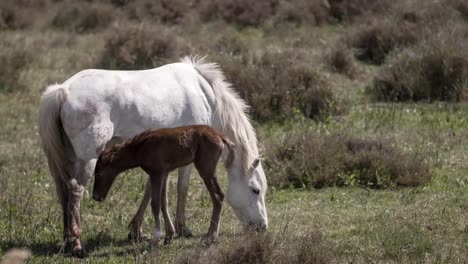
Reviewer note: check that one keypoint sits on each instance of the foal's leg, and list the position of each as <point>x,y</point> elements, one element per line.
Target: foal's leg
<point>182,191</point>
<point>135,224</point>
<point>217,196</point>
<point>170,230</point>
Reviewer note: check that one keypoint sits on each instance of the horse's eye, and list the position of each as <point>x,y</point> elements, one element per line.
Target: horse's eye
<point>256,191</point>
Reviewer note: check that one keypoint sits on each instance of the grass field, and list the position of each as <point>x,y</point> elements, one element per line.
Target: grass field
<point>352,224</point>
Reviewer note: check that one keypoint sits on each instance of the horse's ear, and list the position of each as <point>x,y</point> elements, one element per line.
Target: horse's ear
<point>255,163</point>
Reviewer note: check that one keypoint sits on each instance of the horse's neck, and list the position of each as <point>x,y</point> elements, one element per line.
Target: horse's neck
<point>236,169</point>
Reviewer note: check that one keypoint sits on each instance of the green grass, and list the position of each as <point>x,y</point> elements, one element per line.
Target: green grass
<point>425,224</point>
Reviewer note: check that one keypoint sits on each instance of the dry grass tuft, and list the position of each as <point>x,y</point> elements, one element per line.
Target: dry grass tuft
<point>305,159</point>
<point>139,48</point>
<point>308,248</point>
<point>16,256</point>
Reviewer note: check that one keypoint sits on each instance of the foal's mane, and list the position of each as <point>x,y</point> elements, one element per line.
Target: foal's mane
<point>230,109</point>
<point>108,155</point>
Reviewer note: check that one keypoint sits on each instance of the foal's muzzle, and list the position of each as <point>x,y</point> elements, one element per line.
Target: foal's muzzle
<point>97,197</point>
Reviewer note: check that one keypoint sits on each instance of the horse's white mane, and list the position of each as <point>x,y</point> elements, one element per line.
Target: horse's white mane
<point>230,108</point>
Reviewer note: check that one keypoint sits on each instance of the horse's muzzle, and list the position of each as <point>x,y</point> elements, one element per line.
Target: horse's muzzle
<point>256,227</point>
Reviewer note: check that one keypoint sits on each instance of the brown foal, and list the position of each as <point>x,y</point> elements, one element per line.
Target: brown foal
<point>160,151</point>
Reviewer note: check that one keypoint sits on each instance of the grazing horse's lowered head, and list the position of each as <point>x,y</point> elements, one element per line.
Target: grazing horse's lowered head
<point>246,194</point>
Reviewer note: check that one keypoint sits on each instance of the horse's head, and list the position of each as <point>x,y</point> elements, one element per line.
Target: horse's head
<point>104,176</point>
<point>246,195</point>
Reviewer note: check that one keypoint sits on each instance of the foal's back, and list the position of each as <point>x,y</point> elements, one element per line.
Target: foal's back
<point>169,148</point>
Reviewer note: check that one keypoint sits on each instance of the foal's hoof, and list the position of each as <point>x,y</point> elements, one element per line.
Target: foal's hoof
<point>184,232</point>
<point>167,240</point>
<point>132,236</point>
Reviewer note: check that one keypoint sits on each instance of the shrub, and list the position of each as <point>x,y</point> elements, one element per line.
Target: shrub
<point>461,6</point>
<point>138,48</point>
<point>13,16</point>
<point>373,43</point>
<point>83,17</point>
<point>341,60</point>
<point>349,10</point>
<point>300,12</point>
<point>239,12</point>
<point>278,85</point>
<point>164,11</point>
<point>305,159</point>
<point>14,58</point>
<point>308,248</point>
<point>435,70</point>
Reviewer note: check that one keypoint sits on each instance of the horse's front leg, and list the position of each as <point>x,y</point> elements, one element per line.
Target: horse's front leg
<point>83,172</point>
<point>182,191</point>
<point>157,180</point>
<point>217,197</point>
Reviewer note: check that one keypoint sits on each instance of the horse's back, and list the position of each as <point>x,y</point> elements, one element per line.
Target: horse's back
<point>129,102</point>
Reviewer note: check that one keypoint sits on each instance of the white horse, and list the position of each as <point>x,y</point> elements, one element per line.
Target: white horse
<point>96,107</point>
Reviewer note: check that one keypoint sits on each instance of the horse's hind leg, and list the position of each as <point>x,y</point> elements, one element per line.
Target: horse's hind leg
<point>137,220</point>
<point>83,172</point>
<point>182,191</point>
<point>170,230</point>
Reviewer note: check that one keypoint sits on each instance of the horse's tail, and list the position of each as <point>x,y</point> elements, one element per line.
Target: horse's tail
<point>229,156</point>
<point>54,141</point>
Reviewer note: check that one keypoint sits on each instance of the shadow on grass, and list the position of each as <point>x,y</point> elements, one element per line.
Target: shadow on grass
<point>53,247</point>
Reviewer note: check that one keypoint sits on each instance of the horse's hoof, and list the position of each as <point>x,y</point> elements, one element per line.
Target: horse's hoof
<point>78,253</point>
<point>167,240</point>
<point>207,241</point>
<point>185,232</point>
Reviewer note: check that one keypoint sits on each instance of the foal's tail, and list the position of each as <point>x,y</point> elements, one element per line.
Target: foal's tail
<point>229,156</point>
<point>54,141</point>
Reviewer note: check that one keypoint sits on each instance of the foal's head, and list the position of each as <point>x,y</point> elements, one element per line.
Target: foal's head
<point>104,175</point>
